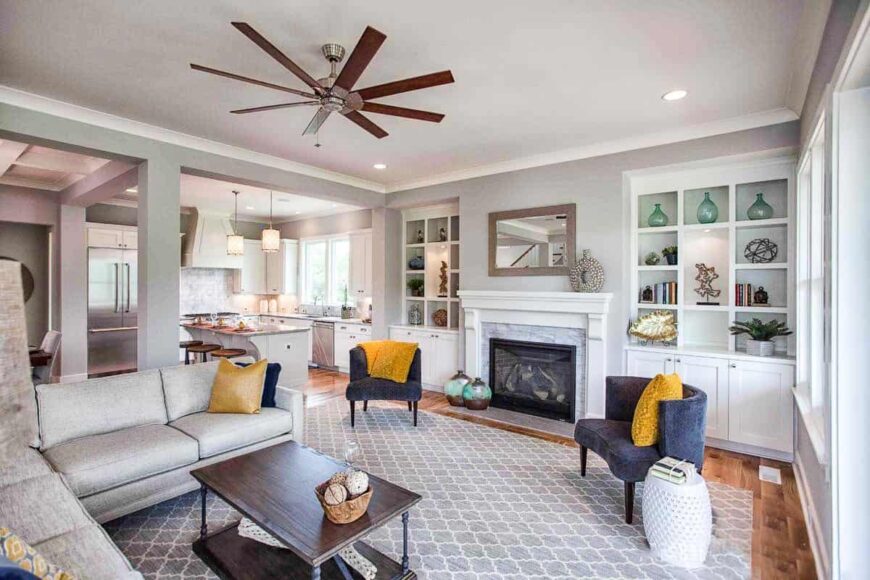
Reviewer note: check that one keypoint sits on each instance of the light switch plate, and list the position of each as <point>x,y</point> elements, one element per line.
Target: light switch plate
<point>769,474</point>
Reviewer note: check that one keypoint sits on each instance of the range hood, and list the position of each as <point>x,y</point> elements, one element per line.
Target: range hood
<point>205,242</point>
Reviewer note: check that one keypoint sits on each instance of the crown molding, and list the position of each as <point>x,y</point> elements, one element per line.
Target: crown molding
<point>81,114</point>
<point>732,125</point>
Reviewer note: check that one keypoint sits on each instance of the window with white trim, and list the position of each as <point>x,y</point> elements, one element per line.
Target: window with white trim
<point>324,270</point>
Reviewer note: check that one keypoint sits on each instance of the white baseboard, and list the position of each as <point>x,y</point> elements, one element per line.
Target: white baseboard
<point>72,378</point>
<point>811,517</point>
<point>750,450</point>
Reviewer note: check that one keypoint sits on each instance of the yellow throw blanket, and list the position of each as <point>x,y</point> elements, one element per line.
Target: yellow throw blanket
<point>389,359</point>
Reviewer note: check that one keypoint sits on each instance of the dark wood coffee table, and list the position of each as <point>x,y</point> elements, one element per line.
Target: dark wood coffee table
<point>274,487</point>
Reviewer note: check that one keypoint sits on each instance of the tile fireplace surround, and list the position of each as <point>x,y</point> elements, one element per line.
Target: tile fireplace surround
<point>542,317</point>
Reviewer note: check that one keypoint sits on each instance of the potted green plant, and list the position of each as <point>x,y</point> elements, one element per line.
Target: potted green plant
<point>761,334</point>
<point>670,254</point>
<point>415,285</point>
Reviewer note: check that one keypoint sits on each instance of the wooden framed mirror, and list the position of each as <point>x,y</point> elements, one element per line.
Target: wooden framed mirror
<point>538,241</point>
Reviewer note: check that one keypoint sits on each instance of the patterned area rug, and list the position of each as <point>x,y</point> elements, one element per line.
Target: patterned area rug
<point>497,506</point>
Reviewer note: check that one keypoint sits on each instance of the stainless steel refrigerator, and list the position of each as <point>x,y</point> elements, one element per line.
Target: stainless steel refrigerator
<point>112,326</point>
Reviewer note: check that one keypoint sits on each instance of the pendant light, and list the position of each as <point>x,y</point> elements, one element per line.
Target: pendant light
<point>271,237</point>
<point>235,242</point>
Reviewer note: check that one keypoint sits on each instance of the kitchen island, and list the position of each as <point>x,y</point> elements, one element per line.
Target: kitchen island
<point>278,343</point>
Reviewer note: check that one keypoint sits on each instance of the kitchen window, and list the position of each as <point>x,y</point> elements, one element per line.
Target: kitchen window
<point>325,270</point>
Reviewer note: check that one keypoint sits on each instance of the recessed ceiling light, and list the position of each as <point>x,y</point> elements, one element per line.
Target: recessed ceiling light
<point>132,189</point>
<point>249,207</point>
<point>298,212</point>
<point>335,205</point>
<point>675,95</point>
<point>380,165</point>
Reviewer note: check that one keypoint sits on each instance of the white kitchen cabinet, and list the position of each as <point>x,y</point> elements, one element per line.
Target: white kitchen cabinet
<point>439,352</point>
<point>761,404</point>
<point>113,237</point>
<point>648,364</point>
<point>130,239</point>
<point>251,277</point>
<point>711,376</point>
<point>346,337</point>
<point>281,268</point>
<point>361,264</point>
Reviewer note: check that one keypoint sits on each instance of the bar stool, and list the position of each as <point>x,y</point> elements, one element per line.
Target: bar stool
<point>203,349</point>
<point>186,344</point>
<point>228,353</point>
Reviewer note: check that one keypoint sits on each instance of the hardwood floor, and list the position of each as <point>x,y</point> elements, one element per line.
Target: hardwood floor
<point>780,544</point>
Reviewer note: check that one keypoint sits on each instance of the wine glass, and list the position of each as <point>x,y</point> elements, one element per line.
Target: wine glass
<point>351,451</point>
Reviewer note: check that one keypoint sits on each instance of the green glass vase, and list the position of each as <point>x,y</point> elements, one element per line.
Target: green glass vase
<point>760,210</point>
<point>477,395</point>
<point>708,213</point>
<point>657,218</point>
<point>454,387</point>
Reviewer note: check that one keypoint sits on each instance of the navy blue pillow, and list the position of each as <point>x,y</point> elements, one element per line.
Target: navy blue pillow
<point>269,384</point>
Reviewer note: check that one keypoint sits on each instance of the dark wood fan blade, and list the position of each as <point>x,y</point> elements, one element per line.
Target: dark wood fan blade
<point>234,76</point>
<point>366,123</point>
<point>319,117</point>
<point>403,86</point>
<point>368,44</point>
<point>273,51</point>
<point>402,112</point>
<point>273,107</point>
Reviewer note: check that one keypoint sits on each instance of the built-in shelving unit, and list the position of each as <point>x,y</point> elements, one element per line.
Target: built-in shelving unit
<point>431,234</point>
<point>721,244</point>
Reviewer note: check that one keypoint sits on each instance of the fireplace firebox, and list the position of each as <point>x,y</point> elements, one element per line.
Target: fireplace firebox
<point>533,377</point>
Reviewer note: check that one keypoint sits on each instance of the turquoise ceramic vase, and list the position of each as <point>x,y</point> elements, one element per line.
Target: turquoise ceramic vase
<point>657,218</point>
<point>454,387</point>
<point>760,210</point>
<point>476,395</point>
<point>708,213</point>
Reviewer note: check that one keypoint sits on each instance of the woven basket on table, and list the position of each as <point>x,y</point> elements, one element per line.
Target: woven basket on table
<point>347,511</point>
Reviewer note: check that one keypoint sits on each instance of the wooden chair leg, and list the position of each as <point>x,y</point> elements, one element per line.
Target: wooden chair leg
<point>352,412</point>
<point>415,413</point>
<point>629,501</point>
<point>365,406</point>
<point>583,452</point>
<point>409,405</point>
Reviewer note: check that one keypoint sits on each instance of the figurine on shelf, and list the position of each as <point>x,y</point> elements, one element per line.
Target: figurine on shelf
<point>705,277</point>
<point>442,234</point>
<point>420,238</point>
<point>760,297</point>
<point>442,287</point>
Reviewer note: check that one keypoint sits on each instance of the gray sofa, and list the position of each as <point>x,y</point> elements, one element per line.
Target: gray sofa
<point>112,446</point>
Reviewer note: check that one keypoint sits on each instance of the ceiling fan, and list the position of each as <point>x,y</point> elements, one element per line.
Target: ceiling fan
<point>335,93</point>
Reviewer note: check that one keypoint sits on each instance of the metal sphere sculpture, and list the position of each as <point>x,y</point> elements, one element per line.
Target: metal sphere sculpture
<point>761,251</point>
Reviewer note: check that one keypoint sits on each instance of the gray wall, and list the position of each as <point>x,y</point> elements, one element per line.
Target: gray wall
<point>28,244</point>
<point>596,186</point>
<point>106,213</point>
<point>327,225</point>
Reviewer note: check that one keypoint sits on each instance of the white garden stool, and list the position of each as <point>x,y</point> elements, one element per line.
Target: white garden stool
<point>678,520</point>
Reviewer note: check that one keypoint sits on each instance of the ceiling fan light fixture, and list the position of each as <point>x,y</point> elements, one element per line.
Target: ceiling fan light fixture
<point>235,242</point>
<point>675,95</point>
<point>271,238</point>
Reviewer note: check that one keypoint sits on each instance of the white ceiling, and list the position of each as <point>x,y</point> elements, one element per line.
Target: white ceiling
<point>39,167</point>
<point>531,79</point>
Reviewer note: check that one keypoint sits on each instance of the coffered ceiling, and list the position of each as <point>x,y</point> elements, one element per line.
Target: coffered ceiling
<point>39,167</point>
<point>533,80</point>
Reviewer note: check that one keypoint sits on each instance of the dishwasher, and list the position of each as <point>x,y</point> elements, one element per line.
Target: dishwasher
<point>323,353</point>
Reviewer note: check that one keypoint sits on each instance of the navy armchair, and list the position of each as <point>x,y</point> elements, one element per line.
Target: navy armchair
<point>681,433</point>
<point>364,388</point>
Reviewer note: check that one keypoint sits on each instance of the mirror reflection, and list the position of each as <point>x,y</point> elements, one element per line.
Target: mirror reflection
<point>531,242</point>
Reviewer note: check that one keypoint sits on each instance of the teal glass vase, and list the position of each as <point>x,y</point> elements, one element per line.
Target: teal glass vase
<point>760,210</point>
<point>454,387</point>
<point>708,213</point>
<point>476,395</point>
<point>657,218</point>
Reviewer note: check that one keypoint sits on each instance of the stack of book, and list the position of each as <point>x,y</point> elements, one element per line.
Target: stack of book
<point>673,470</point>
<point>743,294</point>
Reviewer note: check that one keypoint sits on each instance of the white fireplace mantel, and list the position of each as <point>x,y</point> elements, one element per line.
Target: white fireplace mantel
<point>555,309</point>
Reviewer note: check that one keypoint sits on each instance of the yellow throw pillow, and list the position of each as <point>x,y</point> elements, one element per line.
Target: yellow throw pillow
<point>371,348</point>
<point>645,427</point>
<point>236,389</point>
<point>20,553</point>
<point>389,359</point>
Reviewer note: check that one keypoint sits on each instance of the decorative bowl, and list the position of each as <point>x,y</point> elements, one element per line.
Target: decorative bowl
<point>347,511</point>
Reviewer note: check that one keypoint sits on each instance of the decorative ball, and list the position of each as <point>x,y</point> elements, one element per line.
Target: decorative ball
<point>652,259</point>
<point>586,275</point>
<point>338,478</point>
<point>761,251</point>
<point>357,482</point>
<point>335,494</point>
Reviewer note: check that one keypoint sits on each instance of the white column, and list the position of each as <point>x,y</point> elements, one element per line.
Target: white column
<point>159,263</point>
<point>472,342</point>
<point>596,364</point>
<point>73,259</point>
<point>386,270</point>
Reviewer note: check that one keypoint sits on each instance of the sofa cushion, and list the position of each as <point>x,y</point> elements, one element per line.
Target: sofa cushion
<point>23,463</point>
<point>99,462</point>
<point>372,389</point>
<point>217,433</point>
<point>17,552</point>
<point>612,441</point>
<point>40,508</point>
<point>187,388</point>
<point>72,410</point>
<point>88,553</point>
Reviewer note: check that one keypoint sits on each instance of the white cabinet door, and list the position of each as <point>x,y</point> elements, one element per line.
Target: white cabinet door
<point>367,287</point>
<point>342,343</point>
<point>251,278</point>
<point>130,239</point>
<point>105,238</point>
<point>360,265</point>
<point>289,266</point>
<point>711,376</point>
<point>425,344</point>
<point>648,364</point>
<point>444,358</point>
<point>274,273</point>
<point>761,404</point>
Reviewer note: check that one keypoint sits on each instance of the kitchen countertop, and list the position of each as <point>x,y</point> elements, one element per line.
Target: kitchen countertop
<point>316,318</point>
<point>262,330</point>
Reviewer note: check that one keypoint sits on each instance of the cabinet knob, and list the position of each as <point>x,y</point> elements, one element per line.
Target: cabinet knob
<point>733,365</point>
<point>676,360</point>
<point>669,359</point>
